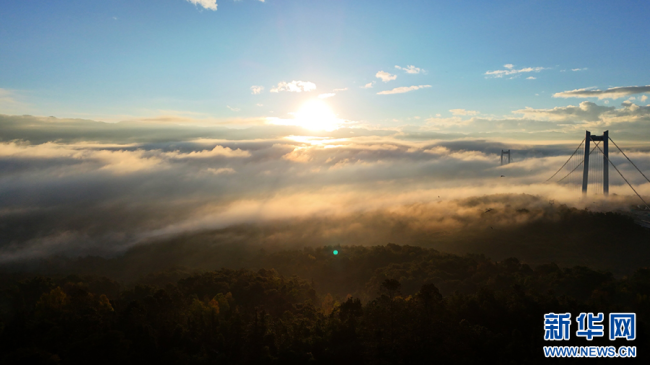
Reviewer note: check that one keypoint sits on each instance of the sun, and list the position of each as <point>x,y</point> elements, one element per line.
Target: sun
<point>316,115</point>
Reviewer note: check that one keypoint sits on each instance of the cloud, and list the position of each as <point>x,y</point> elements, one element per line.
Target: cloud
<point>403,89</point>
<point>531,78</point>
<point>8,99</point>
<point>644,98</point>
<point>223,170</point>
<point>343,89</point>
<point>511,71</point>
<point>594,115</point>
<point>579,69</point>
<point>410,69</point>
<point>368,85</point>
<point>259,104</point>
<point>6,96</point>
<point>233,109</point>
<point>586,111</point>
<point>84,187</point>
<point>611,93</point>
<point>294,86</point>
<point>217,151</point>
<point>325,96</point>
<point>463,112</point>
<point>256,89</point>
<point>207,4</point>
<point>385,76</point>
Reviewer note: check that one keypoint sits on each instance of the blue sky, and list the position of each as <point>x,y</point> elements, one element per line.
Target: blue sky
<point>113,60</point>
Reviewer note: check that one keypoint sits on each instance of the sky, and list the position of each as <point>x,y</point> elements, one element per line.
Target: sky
<point>125,120</point>
<point>116,60</point>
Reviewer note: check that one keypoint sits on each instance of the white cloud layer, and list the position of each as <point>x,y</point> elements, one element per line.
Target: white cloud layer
<point>611,93</point>
<point>327,95</point>
<point>403,89</point>
<point>410,69</point>
<point>294,86</point>
<point>207,4</point>
<point>510,70</point>
<point>385,76</point>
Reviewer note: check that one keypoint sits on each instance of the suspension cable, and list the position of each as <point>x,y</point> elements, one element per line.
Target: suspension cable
<point>567,161</point>
<point>628,183</point>
<point>580,164</point>
<point>638,169</point>
<point>575,168</point>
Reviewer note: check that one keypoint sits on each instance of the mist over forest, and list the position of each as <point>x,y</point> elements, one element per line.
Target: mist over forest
<point>78,187</point>
<point>190,243</point>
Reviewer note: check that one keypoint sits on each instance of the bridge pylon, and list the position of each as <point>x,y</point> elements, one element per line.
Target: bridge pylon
<point>504,154</point>
<point>585,173</point>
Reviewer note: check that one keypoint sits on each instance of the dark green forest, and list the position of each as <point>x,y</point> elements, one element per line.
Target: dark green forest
<point>180,302</point>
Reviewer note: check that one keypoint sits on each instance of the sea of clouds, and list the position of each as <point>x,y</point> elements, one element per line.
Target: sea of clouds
<point>78,187</point>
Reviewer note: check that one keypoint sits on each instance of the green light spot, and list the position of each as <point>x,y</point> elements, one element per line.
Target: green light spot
<point>336,252</point>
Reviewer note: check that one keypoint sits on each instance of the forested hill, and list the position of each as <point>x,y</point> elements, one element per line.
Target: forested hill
<point>236,296</point>
<point>418,306</point>
<point>535,232</point>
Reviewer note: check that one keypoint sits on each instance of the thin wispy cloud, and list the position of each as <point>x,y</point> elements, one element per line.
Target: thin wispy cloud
<point>343,89</point>
<point>7,97</point>
<point>579,69</point>
<point>327,95</point>
<point>463,112</point>
<point>611,93</point>
<point>368,85</point>
<point>233,109</point>
<point>294,86</point>
<point>207,4</point>
<point>10,101</point>
<point>403,89</point>
<point>385,76</point>
<point>510,70</point>
<point>410,69</point>
<point>531,78</point>
<point>256,89</point>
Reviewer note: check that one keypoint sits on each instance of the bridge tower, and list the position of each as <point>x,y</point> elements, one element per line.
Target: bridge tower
<point>585,173</point>
<point>503,154</point>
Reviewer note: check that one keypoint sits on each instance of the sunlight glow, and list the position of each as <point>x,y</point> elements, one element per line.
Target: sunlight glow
<point>314,115</point>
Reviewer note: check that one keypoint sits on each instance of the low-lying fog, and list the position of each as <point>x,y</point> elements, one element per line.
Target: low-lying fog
<point>77,187</point>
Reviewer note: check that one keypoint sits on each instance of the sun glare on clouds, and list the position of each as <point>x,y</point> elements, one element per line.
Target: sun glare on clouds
<point>314,115</point>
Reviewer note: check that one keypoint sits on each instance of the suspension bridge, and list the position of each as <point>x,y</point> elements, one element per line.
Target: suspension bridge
<point>588,167</point>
